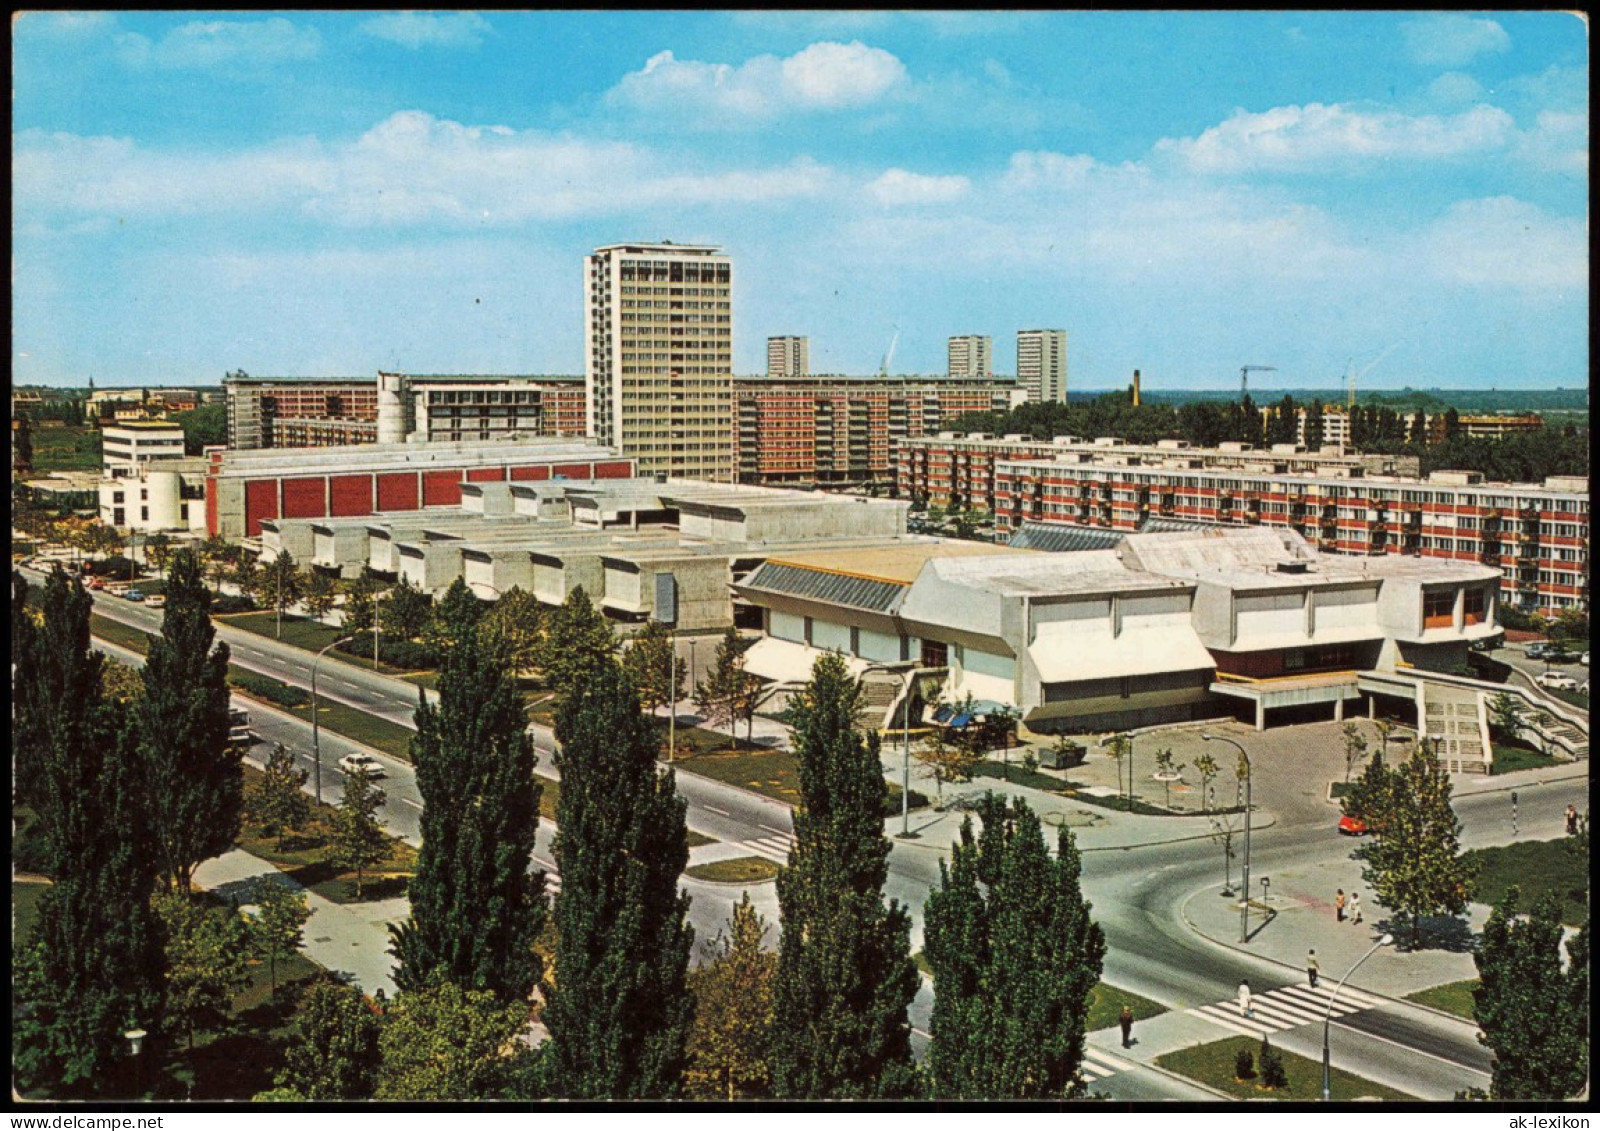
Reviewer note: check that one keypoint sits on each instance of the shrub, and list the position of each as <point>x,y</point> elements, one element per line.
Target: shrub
<point>225,603</point>
<point>264,687</point>
<point>407,654</point>
<point>1244,1065</point>
<point>1272,1073</point>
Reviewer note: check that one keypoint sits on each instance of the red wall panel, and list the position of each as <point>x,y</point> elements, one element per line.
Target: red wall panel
<point>352,494</point>
<point>616,469</point>
<point>397,491</point>
<point>486,475</point>
<point>441,488</point>
<point>570,470</point>
<point>537,471</point>
<point>260,501</point>
<point>305,498</point>
<point>211,507</point>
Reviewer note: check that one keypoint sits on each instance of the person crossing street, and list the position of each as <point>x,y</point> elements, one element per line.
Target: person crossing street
<point>1312,968</point>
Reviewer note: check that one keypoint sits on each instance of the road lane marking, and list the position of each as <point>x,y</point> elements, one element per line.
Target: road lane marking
<point>413,804</point>
<point>780,832</point>
<point>718,812</point>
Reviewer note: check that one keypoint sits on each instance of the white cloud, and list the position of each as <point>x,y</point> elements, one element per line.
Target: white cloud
<point>1031,169</point>
<point>216,43</point>
<point>897,186</point>
<point>823,76</point>
<point>1309,138</point>
<point>1504,242</point>
<point>424,29</point>
<point>1452,39</point>
<point>61,24</point>
<point>1454,88</point>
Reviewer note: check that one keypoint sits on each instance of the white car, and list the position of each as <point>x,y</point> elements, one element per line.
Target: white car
<point>355,763</point>
<point>1584,659</point>
<point>155,601</point>
<point>1561,681</point>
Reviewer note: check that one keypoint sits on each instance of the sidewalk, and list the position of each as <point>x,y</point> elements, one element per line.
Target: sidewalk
<point>349,939</point>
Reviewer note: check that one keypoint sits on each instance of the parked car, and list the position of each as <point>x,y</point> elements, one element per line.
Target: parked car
<point>155,600</point>
<point>1488,643</point>
<point>1537,650</point>
<point>1584,659</point>
<point>1352,826</point>
<point>96,583</point>
<point>355,763</point>
<point>1561,681</point>
<point>134,594</point>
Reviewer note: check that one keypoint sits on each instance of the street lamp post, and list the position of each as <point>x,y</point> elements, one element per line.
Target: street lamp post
<point>316,734</point>
<point>672,690</point>
<point>1327,1020</point>
<point>1249,778</point>
<point>135,1038</point>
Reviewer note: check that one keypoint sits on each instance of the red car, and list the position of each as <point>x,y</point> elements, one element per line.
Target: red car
<point>1352,826</point>
<point>97,583</point>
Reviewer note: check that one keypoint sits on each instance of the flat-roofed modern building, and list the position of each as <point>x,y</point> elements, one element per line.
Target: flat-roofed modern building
<point>788,356</point>
<point>971,355</point>
<point>658,356</point>
<point>130,447</point>
<point>1042,364</point>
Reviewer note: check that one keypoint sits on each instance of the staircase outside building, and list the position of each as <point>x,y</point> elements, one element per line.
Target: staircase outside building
<point>1457,720</point>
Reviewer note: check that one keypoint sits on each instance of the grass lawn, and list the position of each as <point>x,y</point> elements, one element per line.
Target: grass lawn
<point>66,449</point>
<point>1510,758</point>
<point>1212,1064</point>
<point>740,870</point>
<point>1452,997</point>
<point>303,856</point>
<point>698,839</point>
<point>116,632</point>
<point>1016,775</point>
<point>24,911</point>
<point>1105,1007</point>
<point>1535,866</point>
<point>306,634</point>
<point>772,773</point>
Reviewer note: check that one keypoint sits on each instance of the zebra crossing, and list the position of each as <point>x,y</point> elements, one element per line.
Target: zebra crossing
<point>552,878</point>
<point>778,845</point>
<point>1286,1007</point>
<point>1098,1064</point>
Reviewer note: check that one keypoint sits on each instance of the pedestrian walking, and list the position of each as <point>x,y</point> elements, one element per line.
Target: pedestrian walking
<point>1338,906</point>
<point>1245,1009</point>
<point>1312,967</point>
<point>1355,907</point>
<point>1126,1021</point>
<point>1572,821</point>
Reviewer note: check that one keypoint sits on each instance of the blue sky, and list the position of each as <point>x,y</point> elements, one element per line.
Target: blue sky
<point>334,193</point>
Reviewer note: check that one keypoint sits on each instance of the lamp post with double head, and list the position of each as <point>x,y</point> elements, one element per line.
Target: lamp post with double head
<point>1244,902</point>
<point>1327,1019</point>
<point>316,733</point>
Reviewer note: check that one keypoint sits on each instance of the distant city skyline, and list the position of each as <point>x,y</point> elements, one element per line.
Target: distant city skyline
<point>319,193</point>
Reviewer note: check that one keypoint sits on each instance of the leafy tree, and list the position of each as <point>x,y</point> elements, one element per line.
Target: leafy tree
<point>512,624</point>
<point>1413,859</point>
<point>317,594</point>
<point>448,1043</point>
<point>576,641</point>
<point>1223,830</point>
<point>208,953</point>
<point>405,612</point>
<point>360,603</point>
<point>475,908</point>
<point>217,555</point>
<point>278,802</point>
<point>332,1052</point>
<point>1271,1066</point>
<point>729,1042</point>
<point>1528,1009</point>
<point>246,576</point>
<point>845,976</point>
<point>1120,746</point>
<point>94,959</point>
<point>948,760</point>
<point>195,781</point>
<point>203,427</point>
<point>1166,767</point>
<point>1206,766</point>
<point>654,668</point>
<point>1015,955</point>
<point>727,694</point>
<point>158,551</point>
<point>455,615</point>
<point>619,1009</point>
<point>1505,717</point>
<point>358,841</point>
<point>121,684</point>
<point>281,912</point>
<point>1354,747</point>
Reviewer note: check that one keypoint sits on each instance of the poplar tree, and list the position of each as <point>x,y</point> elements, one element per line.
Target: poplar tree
<point>475,908</point>
<point>845,976</point>
<point>1413,858</point>
<point>195,781</point>
<point>618,1010</point>
<point>95,959</point>
<point>1015,955</point>
<point>1532,1014</point>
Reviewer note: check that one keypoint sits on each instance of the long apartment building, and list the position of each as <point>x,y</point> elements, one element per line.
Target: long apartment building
<point>658,356</point>
<point>1537,535</point>
<point>835,429</point>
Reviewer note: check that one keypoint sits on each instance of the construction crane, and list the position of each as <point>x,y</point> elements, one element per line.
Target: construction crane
<point>1244,377</point>
<point>1351,374</point>
<point>888,356</point>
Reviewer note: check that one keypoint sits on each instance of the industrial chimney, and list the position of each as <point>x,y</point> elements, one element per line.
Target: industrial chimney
<point>1136,388</point>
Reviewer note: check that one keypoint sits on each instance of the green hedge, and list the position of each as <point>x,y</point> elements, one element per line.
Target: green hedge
<point>265,687</point>
<point>407,655</point>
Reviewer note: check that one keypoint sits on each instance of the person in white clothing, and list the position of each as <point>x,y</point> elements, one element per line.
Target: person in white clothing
<point>1355,907</point>
<point>1244,1000</point>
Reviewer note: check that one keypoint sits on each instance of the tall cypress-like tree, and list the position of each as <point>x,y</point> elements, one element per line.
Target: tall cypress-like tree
<point>475,909</point>
<point>1014,961</point>
<point>845,975</point>
<point>619,1010</point>
<point>195,781</point>
<point>1528,1008</point>
<point>95,960</point>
